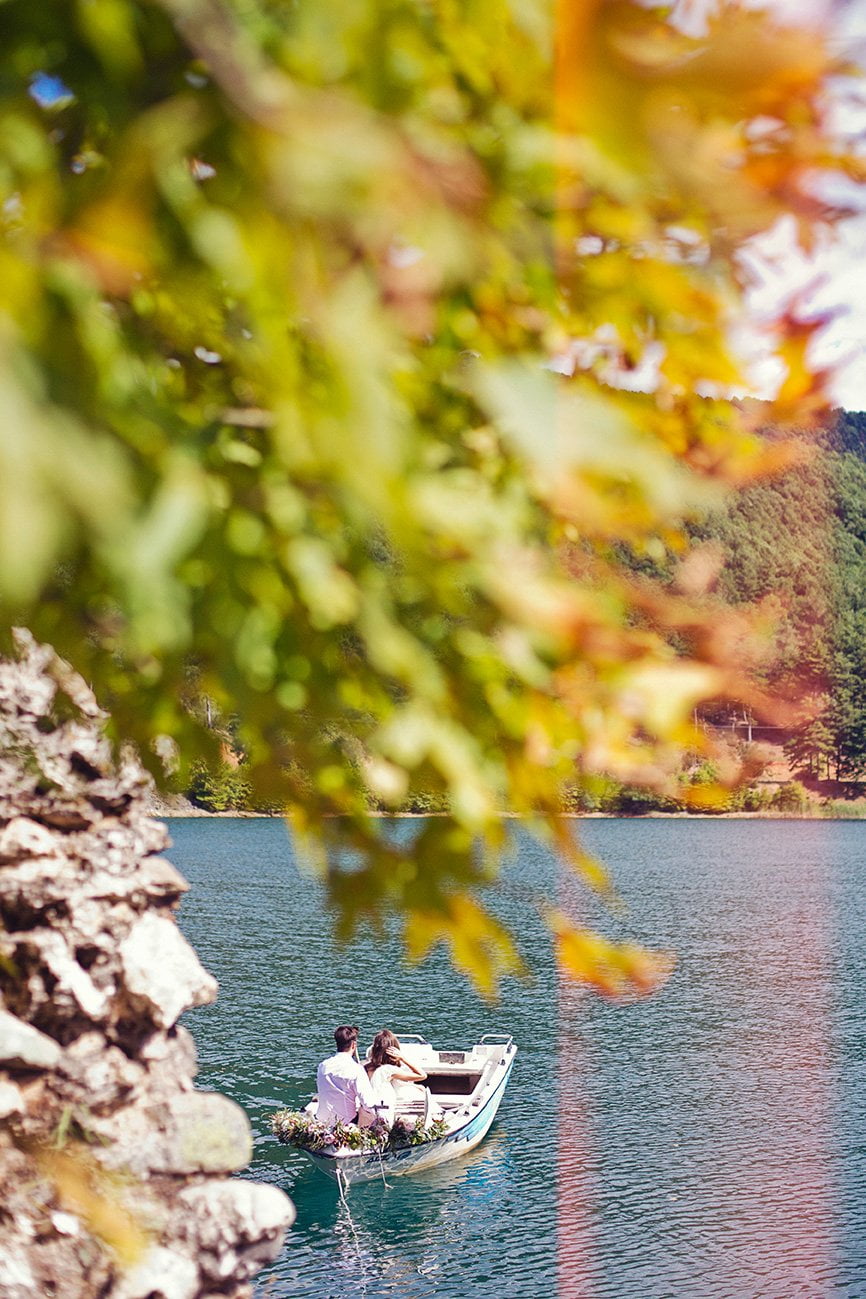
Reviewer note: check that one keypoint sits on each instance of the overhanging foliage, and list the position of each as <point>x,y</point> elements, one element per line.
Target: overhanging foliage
<point>315,360</point>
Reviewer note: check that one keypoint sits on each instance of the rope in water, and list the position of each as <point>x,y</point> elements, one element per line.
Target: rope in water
<point>382,1170</point>
<point>340,1180</point>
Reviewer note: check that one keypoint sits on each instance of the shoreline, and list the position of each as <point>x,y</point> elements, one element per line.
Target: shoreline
<point>199,813</point>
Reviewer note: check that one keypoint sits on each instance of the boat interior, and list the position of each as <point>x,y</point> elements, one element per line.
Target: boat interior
<point>457,1081</point>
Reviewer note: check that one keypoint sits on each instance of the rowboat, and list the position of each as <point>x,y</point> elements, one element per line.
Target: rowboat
<point>464,1088</point>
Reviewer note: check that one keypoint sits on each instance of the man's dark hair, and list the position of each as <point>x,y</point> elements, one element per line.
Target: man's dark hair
<point>346,1036</point>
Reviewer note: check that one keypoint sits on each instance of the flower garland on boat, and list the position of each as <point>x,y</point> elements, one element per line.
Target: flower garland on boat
<point>296,1128</point>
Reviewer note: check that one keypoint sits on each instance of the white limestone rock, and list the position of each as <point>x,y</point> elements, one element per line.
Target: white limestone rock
<point>117,844</point>
<point>100,964</point>
<point>171,1062</point>
<point>161,971</point>
<point>236,1227</point>
<point>23,838</point>
<point>33,884</point>
<point>16,1275</point>
<point>161,1274</point>
<point>158,879</point>
<point>37,883</point>
<point>191,1132</point>
<point>23,1046</point>
<point>66,1224</point>
<point>211,1134</point>
<point>74,991</point>
<point>104,1076</point>
<point>11,1100</point>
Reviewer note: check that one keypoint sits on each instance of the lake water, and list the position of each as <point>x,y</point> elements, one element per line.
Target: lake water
<point>706,1143</point>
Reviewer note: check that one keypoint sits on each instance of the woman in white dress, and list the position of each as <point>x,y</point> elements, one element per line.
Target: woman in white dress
<point>392,1077</point>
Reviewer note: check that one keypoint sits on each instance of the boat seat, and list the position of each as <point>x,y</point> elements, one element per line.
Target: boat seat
<point>415,1107</point>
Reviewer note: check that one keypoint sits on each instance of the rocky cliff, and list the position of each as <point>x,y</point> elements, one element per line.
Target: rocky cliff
<point>113,1168</point>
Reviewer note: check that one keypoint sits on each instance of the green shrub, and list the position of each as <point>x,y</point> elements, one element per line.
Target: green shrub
<point>223,788</point>
<point>425,802</point>
<point>703,773</point>
<point>789,798</point>
<point>421,802</point>
<point>576,800</point>
<point>750,798</point>
<point>627,801</point>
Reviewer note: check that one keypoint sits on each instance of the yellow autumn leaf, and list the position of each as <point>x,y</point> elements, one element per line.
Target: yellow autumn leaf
<point>114,239</point>
<point>712,798</point>
<point>620,971</point>
<point>583,863</point>
<point>480,947</point>
<point>98,1197</point>
<point>664,694</point>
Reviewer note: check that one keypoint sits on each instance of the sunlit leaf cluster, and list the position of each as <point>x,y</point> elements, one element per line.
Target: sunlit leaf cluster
<point>321,330</point>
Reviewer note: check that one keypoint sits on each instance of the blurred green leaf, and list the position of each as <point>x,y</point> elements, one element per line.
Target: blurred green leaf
<point>318,357</point>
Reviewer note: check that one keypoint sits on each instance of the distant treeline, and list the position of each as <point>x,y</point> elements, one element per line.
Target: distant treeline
<point>223,788</point>
<point>799,544</point>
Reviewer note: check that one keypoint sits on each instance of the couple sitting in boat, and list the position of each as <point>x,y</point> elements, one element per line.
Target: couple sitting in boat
<point>356,1093</point>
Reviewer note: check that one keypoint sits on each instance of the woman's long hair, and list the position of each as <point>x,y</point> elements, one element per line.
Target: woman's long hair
<point>382,1051</point>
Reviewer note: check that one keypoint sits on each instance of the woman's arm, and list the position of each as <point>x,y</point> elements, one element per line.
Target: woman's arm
<point>414,1074</point>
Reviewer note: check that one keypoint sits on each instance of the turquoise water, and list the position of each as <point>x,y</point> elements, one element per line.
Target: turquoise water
<point>706,1143</point>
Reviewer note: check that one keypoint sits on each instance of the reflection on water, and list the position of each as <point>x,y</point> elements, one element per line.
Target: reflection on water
<point>366,1235</point>
<point>708,1143</point>
<point>575,1165</point>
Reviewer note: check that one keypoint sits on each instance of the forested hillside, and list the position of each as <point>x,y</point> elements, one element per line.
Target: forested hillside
<point>799,545</point>
<point>796,547</point>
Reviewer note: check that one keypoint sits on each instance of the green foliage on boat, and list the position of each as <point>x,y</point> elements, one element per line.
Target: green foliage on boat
<point>299,1129</point>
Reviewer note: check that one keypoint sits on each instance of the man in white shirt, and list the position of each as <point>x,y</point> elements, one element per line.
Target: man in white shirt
<point>342,1081</point>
